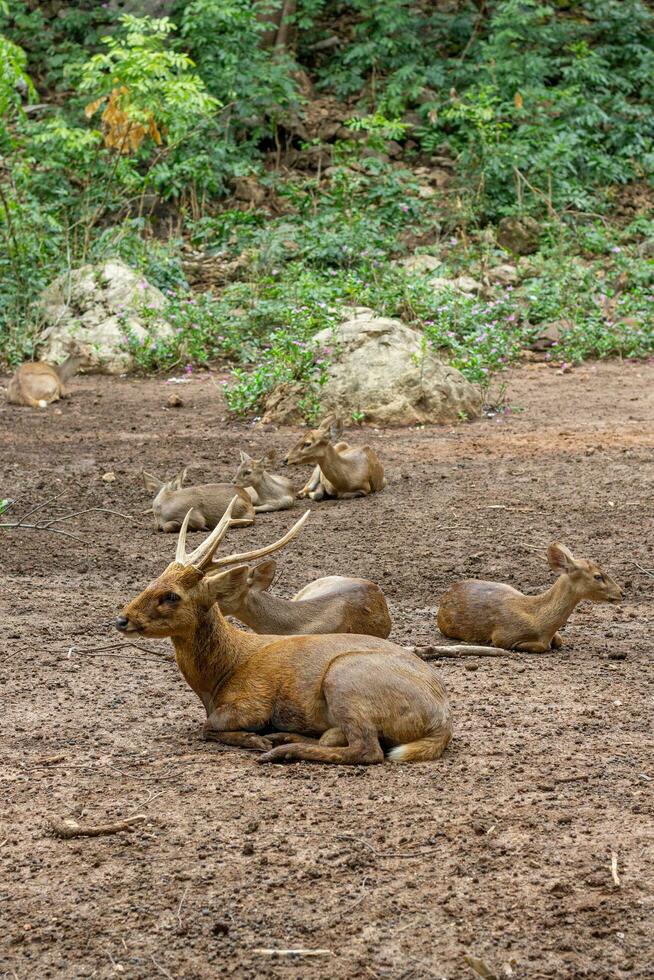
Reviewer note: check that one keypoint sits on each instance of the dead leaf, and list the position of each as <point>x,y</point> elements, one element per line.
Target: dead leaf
<point>517,101</point>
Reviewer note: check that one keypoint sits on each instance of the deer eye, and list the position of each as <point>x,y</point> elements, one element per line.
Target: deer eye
<point>305,445</point>
<point>170,597</point>
<point>598,578</point>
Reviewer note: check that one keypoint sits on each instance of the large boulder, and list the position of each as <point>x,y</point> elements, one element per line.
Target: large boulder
<point>93,306</point>
<point>383,374</point>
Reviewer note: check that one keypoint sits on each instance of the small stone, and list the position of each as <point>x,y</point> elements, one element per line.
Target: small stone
<point>109,477</point>
<point>248,849</point>
<point>471,667</point>
<point>174,401</point>
<point>617,655</point>
<point>220,929</point>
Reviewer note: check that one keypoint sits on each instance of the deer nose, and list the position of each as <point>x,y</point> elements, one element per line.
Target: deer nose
<point>122,622</point>
<point>284,462</point>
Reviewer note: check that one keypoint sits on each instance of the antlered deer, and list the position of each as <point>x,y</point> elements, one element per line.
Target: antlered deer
<point>37,384</point>
<point>359,695</point>
<point>206,502</point>
<point>342,470</point>
<point>268,491</point>
<point>490,612</point>
<point>329,605</point>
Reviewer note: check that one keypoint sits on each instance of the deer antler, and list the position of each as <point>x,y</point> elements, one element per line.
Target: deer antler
<point>246,556</point>
<point>201,558</point>
<point>203,554</point>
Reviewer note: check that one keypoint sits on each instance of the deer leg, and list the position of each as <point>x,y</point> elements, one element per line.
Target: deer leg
<point>557,641</point>
<point>287,738</point>
<point>535,646</point>
<point>355,493</point>
<point>240,740</point>
<point>266,508</point>
<point>363,749</point>
<point>312,483</point>
<point>333,737</point>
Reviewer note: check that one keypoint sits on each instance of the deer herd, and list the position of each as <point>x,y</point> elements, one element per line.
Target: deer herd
<point>316,679</point>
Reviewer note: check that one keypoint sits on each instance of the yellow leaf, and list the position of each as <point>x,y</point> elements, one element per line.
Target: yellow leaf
<point>517,101</point>
<point>92,107</point>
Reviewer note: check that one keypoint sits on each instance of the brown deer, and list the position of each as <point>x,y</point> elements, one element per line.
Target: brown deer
<point>206,502</point>
<point>342,470</point>
<point>338,698</point>
<point>37,384</point>
<point>329,605</point>
<point>489,612</point>
<point>267,491</point>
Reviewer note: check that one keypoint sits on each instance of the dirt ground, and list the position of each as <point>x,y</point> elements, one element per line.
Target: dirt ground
<point>501,851</point>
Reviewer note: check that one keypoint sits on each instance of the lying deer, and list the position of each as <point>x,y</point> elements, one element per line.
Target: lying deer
<point>267,491</point>
<point>207,503</point>
<point>328,605</point>
<point>37,384</point>
<point>337,698</point>
<point>489,612</point>
<point>342,470</point>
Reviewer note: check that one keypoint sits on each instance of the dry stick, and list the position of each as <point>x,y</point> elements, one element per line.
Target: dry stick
<point>162,969</point>
<point>50,500</point>
<point>39,527</point>
<point>614,868</point>
<point>90,510</point>
<point>69,828</point>
<point>96,651</point>
<point>455,652</point>
<point>179,907</point>
<point>646,571</point>
<point>293,952</point>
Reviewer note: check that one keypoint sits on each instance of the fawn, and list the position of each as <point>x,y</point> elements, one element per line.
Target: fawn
<point>267,491</point>
<point>207,503</point>
<point>342,470</point>
<point>338,698</point>
<point>36,384</point>
<point>489,612</point>
<point>328,605</point>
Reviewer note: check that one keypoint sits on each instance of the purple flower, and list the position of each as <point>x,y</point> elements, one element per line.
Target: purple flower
<point>188,369</point>
<point>616,248</point>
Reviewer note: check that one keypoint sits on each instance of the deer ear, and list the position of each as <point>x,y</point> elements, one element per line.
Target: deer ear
<point>151,484</point>
<point>560,558</point>
<point>225,587</point>
<point>263,574</point>
<point>178,480</point>
<point>244,456</point>
<point>336,429</point>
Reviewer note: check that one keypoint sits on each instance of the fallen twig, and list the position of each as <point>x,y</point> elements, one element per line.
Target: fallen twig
<point>102,651</point>
<point>456,652</point>
<point>614,869</point>
<point>68,828</point>
<point>162,969</point>
<point>90,510</point>
<point>646,571</point>
<point>293,952</point>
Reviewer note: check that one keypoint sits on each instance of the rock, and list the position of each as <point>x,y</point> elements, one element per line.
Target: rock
<point>109,477</point>
<point>504,275</point>
<point>383,373</point>
<point>425,191</point>
<point>466,284</point>
<point>421,263</point>
<point>646,249</point>
<point>174,401</point>
<point>93,306</point>
<point>520,235</point>
<point>248,189</point>
<point>549,335</point>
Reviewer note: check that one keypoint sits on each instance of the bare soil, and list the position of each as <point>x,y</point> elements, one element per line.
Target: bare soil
<point>501,851</point>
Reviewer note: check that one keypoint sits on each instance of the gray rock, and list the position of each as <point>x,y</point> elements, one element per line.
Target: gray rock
<point>383,371</point>
<point>520,235</point>
<point>92,306</point>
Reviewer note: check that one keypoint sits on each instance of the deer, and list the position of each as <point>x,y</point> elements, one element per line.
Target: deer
<point>36,384</point>
<point>332,698</point>
<point>267,491</point>
<point>341,470</point>
<point>206,503</point>
<point>490,612</point>
<point>334,604</point>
